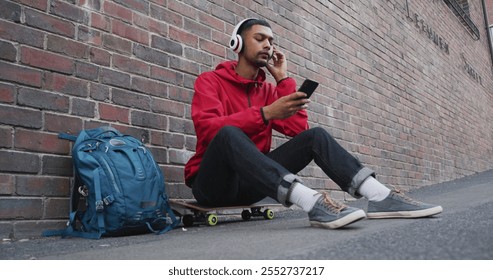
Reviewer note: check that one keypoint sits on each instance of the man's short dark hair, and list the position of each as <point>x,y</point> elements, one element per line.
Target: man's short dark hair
<point>249,23</point>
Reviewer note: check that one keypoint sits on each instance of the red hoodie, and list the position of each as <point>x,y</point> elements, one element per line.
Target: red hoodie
<point>222,98</point>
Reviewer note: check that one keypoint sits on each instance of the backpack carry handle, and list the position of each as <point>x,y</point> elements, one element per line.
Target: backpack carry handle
<point>98,132</point>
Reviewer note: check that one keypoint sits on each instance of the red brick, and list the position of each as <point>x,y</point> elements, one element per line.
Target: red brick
<point>167,45</point>
<point>145,119</point>
<point>21,75</point>
<point>67,47</point>
<point>100,21</point>
<point>117,44</point>
<point>66,84</point>
<point>7,93</point>
<point>127,64</point>
<point>117,11</point>
<point>15,208</point>
<point>19,162</point>
<point>68,11</point>
<point>183,36</point>
<point>211,21</point>
<point>22,117</point>
<point>9,52</point>
<point>46,60</point>
<point>180,94</point>
<point>168,107</point>
<point>113,113</point>
<point>184,66</point>
<point>149,86</point>
<point>21,34</point>
<point>86,71</point>
<point>141,6</point>
<point>83,107</point>
<point>57,165</point>
<point>131,99</point>
<point>181,126</point>
<point>150,24</point>
<point>7,184</point>
<point>150,55</point>
<point>37,141</point>
<point>50,23</point>
<point>56,208</point>
<point>10,11</point>
<point>99,92</point>
<point>127,31</point>
<point>114,78</point>
<point>166,15</point>
<point>160,155</point>
<point>43,100</point>
<point>172,140</point>
<point>99,56</point>
<point>35,185</point>
<point>61,123</point>
<point>20,208</point>
<point>37,4</point>
<point>212,47</point>
<point>167,75</point>
<point>173,173</point>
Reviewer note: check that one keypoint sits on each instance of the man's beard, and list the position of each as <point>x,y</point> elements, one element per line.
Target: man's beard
<point>260,63</point>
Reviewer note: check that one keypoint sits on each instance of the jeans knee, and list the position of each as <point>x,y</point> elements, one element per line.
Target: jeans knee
<point>228,131</point>
<point>319,132</point>
<point>228,135</point>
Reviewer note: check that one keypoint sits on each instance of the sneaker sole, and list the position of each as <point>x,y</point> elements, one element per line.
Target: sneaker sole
<point>344,221</point>
<point>406,214</point>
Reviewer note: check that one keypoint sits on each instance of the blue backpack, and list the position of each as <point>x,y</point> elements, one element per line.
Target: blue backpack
<point>123,186</point>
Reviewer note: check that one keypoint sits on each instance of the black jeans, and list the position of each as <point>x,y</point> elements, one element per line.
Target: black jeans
<point>234,172</point>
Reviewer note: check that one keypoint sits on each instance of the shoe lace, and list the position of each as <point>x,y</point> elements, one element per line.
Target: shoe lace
<point>402,194</point>
<point>332,204</point>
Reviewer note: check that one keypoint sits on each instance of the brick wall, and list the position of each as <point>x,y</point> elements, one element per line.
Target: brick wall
<point>403,87</point>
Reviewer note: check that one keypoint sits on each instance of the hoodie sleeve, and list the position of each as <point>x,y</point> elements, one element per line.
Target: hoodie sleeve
<point>296,123</point>
<point>208,112</point>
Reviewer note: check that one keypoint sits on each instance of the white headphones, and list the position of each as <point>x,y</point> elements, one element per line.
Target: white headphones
<point>236,43</point>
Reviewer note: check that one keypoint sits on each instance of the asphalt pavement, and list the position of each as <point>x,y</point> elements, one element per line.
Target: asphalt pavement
<point>464,231</point>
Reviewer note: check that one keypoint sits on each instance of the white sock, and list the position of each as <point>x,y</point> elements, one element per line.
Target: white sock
<point>373,190</point>
<point>303,196</point>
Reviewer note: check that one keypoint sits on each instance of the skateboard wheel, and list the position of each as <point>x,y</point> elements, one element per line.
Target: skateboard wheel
<point>246,215</point>
<point>212,220</point>
<point>268,214</point>
<point>187,220</point>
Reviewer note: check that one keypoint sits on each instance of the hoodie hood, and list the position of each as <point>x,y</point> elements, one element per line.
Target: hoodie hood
<point>226,70</point>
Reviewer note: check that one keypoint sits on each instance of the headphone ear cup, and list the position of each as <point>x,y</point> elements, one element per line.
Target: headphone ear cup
<point>233,43</point>
<point>239,44</point>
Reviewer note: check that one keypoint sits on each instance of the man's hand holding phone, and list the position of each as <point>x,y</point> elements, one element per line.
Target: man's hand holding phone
<point>308,87</point>
<point>288,105</point>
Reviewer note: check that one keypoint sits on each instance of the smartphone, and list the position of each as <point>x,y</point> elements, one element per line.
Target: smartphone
<point>308,87</point>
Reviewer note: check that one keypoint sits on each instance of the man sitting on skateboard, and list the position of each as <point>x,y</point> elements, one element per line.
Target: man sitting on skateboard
<point>234,111</point>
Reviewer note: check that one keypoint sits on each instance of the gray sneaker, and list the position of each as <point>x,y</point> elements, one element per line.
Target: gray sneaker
<point>397,205</point>
<point>328,213</point>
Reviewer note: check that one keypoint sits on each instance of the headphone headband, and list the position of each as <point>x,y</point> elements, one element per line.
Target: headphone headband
<point>236,43</point>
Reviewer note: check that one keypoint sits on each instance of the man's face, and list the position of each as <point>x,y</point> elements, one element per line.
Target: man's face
<point>257,45</point>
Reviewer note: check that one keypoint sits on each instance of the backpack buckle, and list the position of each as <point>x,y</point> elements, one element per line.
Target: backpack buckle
<point>108,200</point>
<point>83,191</point>
<point>99,206</point>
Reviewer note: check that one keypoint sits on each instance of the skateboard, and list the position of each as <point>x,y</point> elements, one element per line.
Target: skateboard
<point>193,212</point>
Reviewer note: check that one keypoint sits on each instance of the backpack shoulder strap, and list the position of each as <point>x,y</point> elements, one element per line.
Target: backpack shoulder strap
<point>66,136</point>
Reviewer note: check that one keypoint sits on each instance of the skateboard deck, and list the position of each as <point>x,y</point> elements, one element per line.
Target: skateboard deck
<point>192,212</point>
